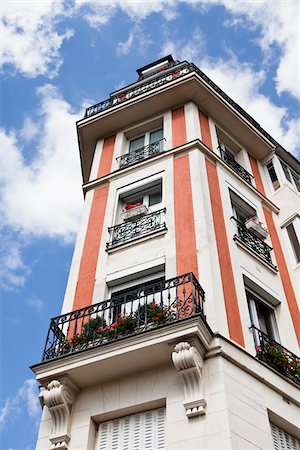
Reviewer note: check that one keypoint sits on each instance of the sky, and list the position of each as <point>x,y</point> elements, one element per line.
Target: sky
<point>58,57</point>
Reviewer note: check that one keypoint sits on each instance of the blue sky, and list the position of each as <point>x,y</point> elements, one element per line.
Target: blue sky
<point>61,56</point>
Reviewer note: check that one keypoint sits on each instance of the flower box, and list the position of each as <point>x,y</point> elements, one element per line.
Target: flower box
<point>134,213</point>
<point>256,228</point>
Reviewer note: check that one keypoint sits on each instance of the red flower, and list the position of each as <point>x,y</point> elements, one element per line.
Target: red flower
<point>258,349</point>
<point>158,315</point>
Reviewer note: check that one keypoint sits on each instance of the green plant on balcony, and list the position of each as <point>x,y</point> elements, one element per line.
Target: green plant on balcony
<point>281,360</point>
<point>154,313</point>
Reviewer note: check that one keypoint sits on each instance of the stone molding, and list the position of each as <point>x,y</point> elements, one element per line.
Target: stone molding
<point>188,362</point>
<point>59,397</point>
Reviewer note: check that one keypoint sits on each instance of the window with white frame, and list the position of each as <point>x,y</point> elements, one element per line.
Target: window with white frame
<point>126,297</point>
<point>262,314</point>
<point>273,175</point>
<point>141,431</point>
<point>147,139</point>
<point>282,440</point>
<point>148,198</point>
<point>241,210</point>
<point>293,233</point>
<point>139,212</point>
<point>291,176</point>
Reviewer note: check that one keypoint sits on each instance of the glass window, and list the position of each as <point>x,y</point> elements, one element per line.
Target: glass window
<point>296,179</point>
<point>273,176</point>
<point>262,315</point>
<point>294,241</point>
<point>136,144</point>
<point>242,211</point>
<point>156,136</point>
<point>286,171</point>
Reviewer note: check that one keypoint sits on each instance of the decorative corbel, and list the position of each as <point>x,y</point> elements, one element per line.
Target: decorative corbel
<point>188,362</point>
<point>59,397</point>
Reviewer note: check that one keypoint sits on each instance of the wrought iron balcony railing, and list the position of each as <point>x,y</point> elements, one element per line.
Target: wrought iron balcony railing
<point>276,356</point>
<point>140,154</point>
<point>128,231</point>
<point>254,243</point>
<point>231,162</point>
<point>146,308</point>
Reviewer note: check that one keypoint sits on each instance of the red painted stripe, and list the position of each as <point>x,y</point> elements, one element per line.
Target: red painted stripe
<point>281,263</point>
<point>256,174</point>
<point>106,156</point>
<point>178,127</point>
<point>186,256</point>
<point>228,283</point>
<point>87,271</point>
<point>205,131</point>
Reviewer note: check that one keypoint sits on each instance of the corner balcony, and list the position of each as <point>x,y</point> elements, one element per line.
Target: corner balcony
<point>276,356</point>
<point>138,312</point>
<point>252,242</point>
<point>136,229</point>
<point>234,165</point>
<point>140,154</point>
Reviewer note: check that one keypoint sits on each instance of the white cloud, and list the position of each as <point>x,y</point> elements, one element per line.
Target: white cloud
<point>36,304</point>
<point>30,42</point>
<point>100,13</point>
<point>137,37</point>
<point>243,84</point>
<point>13,270</point>
<point>26,399</point>
<point>43,197</point>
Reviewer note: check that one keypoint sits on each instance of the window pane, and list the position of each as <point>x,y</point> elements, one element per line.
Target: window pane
<point>156,135</point>
<point>286,171</point>
<point>264,319</point>
<point>294,241</point>
<point>155,198</point>
<point>273,176</point>
<point>135,144</point>
<point>296,179</point>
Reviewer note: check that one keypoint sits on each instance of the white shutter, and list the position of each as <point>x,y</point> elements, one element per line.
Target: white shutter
<point>142,431</point>
<point>283,440</point>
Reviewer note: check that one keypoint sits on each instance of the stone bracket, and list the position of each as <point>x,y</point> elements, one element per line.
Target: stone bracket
<point>188,362</point>
<point>59,397</point>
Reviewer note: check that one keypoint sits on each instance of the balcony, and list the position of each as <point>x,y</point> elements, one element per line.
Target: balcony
<point>140,154</point>
<point>253,243</point>
<point>234,165</point>
<point>135,229</point>
<point>138,311</point>
<point>276,356</point>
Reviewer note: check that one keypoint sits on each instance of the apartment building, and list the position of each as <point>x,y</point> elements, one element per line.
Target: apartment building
<point>180,325</point>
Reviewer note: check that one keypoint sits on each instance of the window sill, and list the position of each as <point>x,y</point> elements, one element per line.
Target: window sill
<point>114,248</point>
<point>272,268</point>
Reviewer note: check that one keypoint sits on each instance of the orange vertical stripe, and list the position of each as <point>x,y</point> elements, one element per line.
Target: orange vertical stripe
<point>282,267</point>
<point>256,174</point>
<point>106,156</point>
<point>205,131</point>
<point>178,127</point>
<point>228,283</point>
<point>186,256</point>
<point>87,270</point>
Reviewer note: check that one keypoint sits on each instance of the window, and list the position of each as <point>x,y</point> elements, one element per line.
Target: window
<point>273,175</point>
<point>139,213</point>
<point>149,138</point>
<point>126,299</point>
<point>291,176</point>
<point>283,440</point>
<point>262,315</point>
<point>242,211</point>
<point>294,239</point>
<point>145,430</point>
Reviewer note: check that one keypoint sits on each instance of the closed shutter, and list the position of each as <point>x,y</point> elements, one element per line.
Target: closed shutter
<point>142,431</point>
<point>283,440</point>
